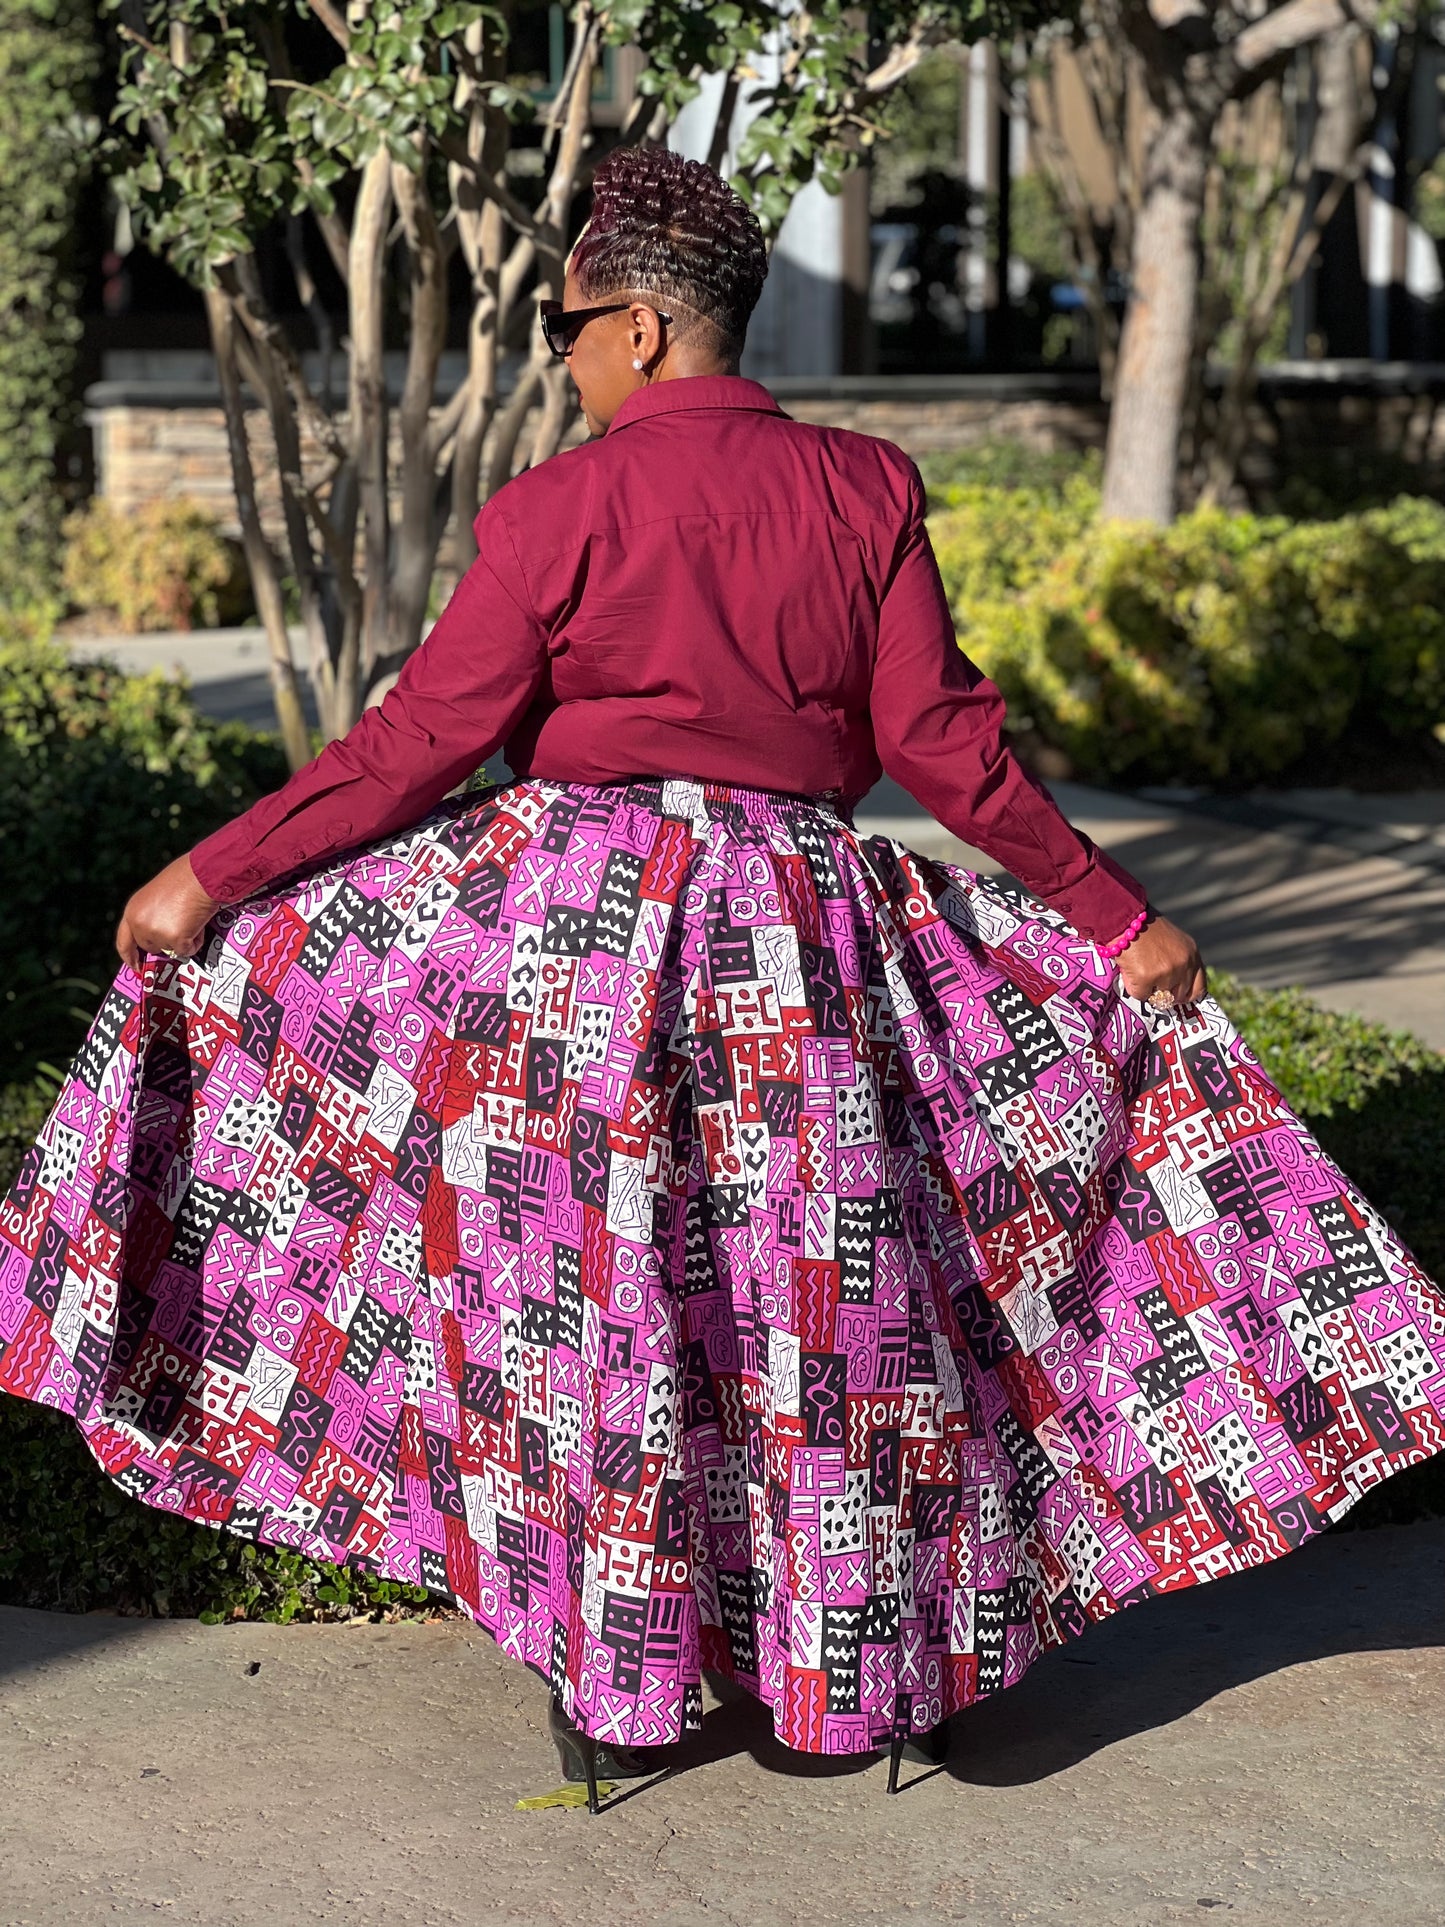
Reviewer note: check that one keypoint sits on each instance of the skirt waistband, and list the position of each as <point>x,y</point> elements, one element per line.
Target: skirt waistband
<point>691,797</point>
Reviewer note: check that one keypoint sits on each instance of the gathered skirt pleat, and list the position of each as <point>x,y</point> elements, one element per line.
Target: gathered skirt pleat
<point>692,1235</point>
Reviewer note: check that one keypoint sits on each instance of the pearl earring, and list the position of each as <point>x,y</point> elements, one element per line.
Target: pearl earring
<point>637,363</point>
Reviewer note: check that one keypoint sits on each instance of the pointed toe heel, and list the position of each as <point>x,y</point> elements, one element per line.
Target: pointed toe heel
<point>586,1759</point>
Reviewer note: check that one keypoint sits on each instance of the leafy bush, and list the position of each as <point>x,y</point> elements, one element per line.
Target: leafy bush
<point>72,1541</point>
<point>1220,650</point>
<point>1006,465</point>
<point>993,543</point>
<point>104,778</point>
<point>164,565</point>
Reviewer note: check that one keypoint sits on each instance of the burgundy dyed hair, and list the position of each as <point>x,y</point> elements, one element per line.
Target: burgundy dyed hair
<point>671,227</point>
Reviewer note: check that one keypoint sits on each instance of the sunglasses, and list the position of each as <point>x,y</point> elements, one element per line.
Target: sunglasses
<point>561,326</point>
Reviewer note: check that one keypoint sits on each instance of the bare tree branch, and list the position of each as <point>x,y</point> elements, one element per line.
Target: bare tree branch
<point>488,184</point>
<point>722,127</point>
<point>1296,24</point>
<point>332,21</point>
<point>368,404</point>
<point>416,545</point>
<point>264,327</point>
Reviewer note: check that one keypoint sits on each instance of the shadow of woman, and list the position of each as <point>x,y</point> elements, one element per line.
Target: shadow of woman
<point>1345,1592</point>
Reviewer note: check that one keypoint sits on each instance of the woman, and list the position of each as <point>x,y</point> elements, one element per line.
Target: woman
<point>688,1233</point>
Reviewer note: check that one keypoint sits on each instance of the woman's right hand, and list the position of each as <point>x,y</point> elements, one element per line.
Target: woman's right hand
<point>1163,957</point>
<point>170,913</point>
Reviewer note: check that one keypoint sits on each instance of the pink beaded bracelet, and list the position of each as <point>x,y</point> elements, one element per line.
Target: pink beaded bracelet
<point>1126,937</point>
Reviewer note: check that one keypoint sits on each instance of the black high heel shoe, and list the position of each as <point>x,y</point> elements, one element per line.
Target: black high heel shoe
<point>928,1749</point>
<point>584,1758</point>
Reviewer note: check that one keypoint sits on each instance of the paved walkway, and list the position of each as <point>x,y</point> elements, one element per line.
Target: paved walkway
<point>1298,905</point>
<point>1269,1749</point>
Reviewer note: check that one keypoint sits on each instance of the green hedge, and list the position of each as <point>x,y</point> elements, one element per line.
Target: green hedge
<point>104,777</point>
<point>47,64</point>
<point>1375,1098</point>
<point>1224,650</point>
<point>70,1540</point>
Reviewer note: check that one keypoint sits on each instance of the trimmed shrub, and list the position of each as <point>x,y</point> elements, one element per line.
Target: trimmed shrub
<point>1006,465</point>
<point>1220,650</point>
<point>164,565</point>
<point>72,1541</point>
<point>104,778</point>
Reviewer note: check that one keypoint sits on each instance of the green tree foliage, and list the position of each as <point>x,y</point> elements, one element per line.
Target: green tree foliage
<point>47,61</point>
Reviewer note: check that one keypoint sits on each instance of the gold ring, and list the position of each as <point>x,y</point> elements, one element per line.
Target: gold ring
<point>1161,1000</point>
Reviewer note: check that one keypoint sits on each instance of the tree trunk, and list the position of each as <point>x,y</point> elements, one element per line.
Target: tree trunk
<point>1142,454</point>
<point>369,415</point>
<point>1346,104</point>
<point>260,563</point>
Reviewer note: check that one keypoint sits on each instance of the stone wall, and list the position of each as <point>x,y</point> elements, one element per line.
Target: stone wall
<point>157,440</point>
<point>178,448</point>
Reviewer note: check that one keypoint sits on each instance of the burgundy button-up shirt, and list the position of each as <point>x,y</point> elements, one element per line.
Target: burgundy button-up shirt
<point>711,590</point>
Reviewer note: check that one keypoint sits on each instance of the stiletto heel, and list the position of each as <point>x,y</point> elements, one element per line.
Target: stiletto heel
<point>895,1759</point>
<point>587,1747</point>
<point>584,1758</point>
<point>928,1749</point>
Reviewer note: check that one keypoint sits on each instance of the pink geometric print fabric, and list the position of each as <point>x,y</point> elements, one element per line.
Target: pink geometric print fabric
<point>692,1235</point>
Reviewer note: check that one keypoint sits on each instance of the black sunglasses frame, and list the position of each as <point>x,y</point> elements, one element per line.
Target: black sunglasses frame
<point>561,326</point>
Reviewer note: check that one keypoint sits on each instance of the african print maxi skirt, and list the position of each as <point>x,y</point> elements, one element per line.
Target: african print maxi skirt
<point>694,1236</point>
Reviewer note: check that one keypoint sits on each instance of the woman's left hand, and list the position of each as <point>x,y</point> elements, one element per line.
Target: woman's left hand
<point>170,913</point>
<point>1163,957</point>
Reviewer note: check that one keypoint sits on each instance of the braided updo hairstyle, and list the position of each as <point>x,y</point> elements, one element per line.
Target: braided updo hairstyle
<point>670,227</point>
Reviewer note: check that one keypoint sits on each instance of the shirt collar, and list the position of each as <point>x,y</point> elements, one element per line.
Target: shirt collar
<point>693,391</point>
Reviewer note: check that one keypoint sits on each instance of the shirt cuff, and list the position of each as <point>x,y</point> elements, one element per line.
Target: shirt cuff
<point>1103,901</point>
<point>225,863</point>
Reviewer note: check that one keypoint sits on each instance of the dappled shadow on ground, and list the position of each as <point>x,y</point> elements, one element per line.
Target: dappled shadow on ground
<point>1261,904</point>
<point>29,1638</point>
<point>1275,908</point>
<point>1152,1664</point>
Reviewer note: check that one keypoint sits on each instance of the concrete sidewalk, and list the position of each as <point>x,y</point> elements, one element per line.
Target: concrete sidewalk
<point>1269,1748</point>
<point>227,668</point>
<point>1359,931</point>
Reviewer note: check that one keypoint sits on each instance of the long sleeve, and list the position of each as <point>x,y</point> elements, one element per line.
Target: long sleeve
<point>454,702</point>
<point>938,722</point>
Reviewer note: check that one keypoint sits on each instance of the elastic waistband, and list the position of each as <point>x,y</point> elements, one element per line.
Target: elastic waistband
<point>690,798</point>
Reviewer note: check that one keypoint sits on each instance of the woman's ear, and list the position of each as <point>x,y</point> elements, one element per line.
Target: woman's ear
<point>647,337</point>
